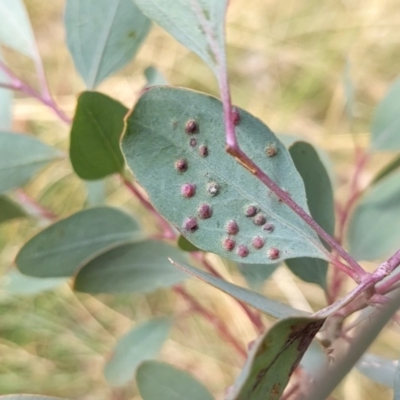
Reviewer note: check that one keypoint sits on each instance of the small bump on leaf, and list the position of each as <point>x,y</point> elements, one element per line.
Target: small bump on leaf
<point>190,224</point>
<point>181,165</point>
<point>257,242</point>
<point>188,190</point>
<point>268,227</point>
<point>203,151</point>
<point>191,126</point>
<point>229,244</point>
<point>204,211</point>
<point>193,142</point>
<point>242,251</point>
<point>273,253</point>
<point>251,211</point>
<point>260,219</point>
<point>271,150</point>
<point>232,228</point>
<point>213,188</point>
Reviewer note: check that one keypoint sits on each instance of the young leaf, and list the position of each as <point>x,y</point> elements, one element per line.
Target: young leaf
<point>378,369</point>
<point>6,97</point>
<point>257,274</point>
<point>197,24</point>
<point>64,247</point>
<point>373,229</point>
<point>264,304</point>
<point>396,385</point>
<point>10,210</point>
<point>386,122</point>
<point>388,169</point>
<point>217,204</point>
<point>273,358</point>
<point>137,267</point>
<point>103,36</point>
<point>321,204</point>
<point>21,157</point>
<point>16,283</point>
<point>15,28</point>
<point>154,77</point>
<point>142,343</point>
<point>158,380</point>
<point>95,134</point>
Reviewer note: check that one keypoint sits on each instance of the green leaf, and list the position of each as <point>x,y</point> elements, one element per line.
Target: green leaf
<point>273,358</point>
<point>180,160</point>
<point>386,121</point>
<point>64,247</point>
<point>257,274</point>
<point>374,226</point>
<point>397,382</point>
<point>28,397</point>
<point>321,204</point>
<point>388,169</point>
<point>103,36</point>
<point>15,28</point>
<point>158,380</point>
<point>21,157</point>
<point>95,134</point>
<point>378,369</point>
<point>138,267</point>
<point>197,24</point>
<point>154,77</point>
<point>10,210</point>
<point>16,283</point>
<point>142,343</point>
<point>6,97</point>
<point>264,304</point>
<point>96,195</point>
<point>185,245</point>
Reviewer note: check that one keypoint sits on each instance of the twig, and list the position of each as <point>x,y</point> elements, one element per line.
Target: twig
<point>45,98</point>
<point>213,319</point>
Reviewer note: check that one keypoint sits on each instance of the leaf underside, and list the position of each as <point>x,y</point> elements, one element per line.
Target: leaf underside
<point>156,140</point>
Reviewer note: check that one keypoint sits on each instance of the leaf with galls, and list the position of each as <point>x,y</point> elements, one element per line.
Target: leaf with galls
<point>210,198</point>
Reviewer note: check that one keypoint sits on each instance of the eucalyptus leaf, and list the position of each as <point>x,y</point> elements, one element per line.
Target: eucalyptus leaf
<point>387,169</point>
<point>397,383</point>
<point>177,153</point>
<point>15,28</point>
<point>197,24</point>
<point>64,247</point>
<point>16,283</point>
<point>6,97</point>
<point>386,121</point>
<point>158,380</point>
<point>154,77</point>
<point>185,245</point>
<point>374,226</point>
<point>257,274</point>
<point>95,134</point>
<point>103,36</point>
<point>142,343</point>
<point>10,210</point>
<point>96,195</point>
<point>379,369</point>
<point>321,204</point>
<point>273,358</point>
<point>22,157</point>
<point>133,268</point>
<point>264,304</point>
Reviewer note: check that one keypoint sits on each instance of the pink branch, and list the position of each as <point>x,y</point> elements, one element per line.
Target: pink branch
<point>45,98</point>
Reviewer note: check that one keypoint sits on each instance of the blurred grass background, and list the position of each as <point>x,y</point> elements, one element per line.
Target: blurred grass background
<point>286,64</point>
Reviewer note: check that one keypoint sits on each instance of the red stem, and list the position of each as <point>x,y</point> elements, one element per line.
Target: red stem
<point>213,319</point>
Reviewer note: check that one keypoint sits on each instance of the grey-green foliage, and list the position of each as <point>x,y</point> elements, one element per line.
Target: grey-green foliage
<point>379,369</point>
<point>10,210</point>
<point>321,204</point>
<point>156,140</point>
<point>386,122</point>
<point>197,24</point>
<point>22,157</point>
<point>137,267</point>
<point>62,248</point>
<point>257,274</point>
<point>374,226</point>
<point>158,380</point>
<point>103,36</point>
<point>141,343</point>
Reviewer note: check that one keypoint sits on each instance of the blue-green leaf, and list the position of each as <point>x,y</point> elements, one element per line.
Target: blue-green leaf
<point>103,36</point>
<point>64,247</point>
<point>10,210</point>
<point>22,157</point>
<point>142,343</point>
<point>257,274</point>
<point>158,381</point>
<point>379,369</point>
<point>138,267</point>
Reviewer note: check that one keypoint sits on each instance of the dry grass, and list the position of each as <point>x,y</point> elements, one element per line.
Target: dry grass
<point>286,63</point>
